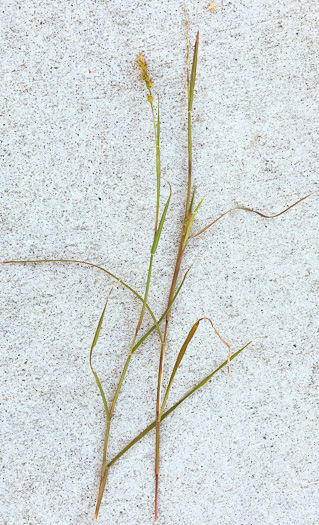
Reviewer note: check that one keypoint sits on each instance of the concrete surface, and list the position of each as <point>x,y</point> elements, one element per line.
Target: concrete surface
<point>78,182</point>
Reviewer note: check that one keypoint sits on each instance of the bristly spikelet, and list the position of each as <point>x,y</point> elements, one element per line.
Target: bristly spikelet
<point>141,62</point>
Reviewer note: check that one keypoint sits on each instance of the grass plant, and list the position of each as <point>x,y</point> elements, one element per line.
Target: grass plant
<point>186,235</point>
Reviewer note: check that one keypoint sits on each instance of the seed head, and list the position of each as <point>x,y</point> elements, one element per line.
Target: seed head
<point>141,62</point>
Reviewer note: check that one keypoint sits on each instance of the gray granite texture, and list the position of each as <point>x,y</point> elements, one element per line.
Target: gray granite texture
<point>78,182</point>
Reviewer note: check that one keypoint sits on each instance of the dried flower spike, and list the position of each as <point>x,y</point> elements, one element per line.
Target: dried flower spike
<point>141,62</point>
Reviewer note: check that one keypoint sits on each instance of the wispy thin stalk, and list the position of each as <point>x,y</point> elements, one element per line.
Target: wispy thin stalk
<point>157,234</point>
<point>184,239</point>
<point>253,211</point>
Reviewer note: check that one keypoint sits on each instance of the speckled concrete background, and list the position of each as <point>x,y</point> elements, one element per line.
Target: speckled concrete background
<point>78,182</point>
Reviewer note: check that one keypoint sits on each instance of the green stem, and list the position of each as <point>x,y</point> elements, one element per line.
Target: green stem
<point>104,471</point>
<point>119,386</point>
<point>190,161</point>
<point>148,280</point>
<point>188,221</point>
<point>158,164</point>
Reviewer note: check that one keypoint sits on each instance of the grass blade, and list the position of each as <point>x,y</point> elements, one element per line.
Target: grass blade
<point>158,164</point>
<point>182,353</point>
<point>253,211</point>
<point>190,91</point>
<point>192,201</point>
<point>156,324</point>
<point>161,224</point>
<point>95,339</point>
<point>178,362</point>
<point>163,315</point>
<point>96,336</point>
<point>193,74</point>
<point>277,214</point>
<point>170,410</point>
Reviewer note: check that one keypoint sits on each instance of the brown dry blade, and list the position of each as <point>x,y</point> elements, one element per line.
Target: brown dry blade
<point>222,340</point>
<point>277,214</point>
<point>252,211</point>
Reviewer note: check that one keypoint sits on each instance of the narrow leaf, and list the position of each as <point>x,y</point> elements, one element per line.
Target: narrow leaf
<point>160,226</point>
<point>198,206</point>
<point>252,211</point>
<point>178,362</point>
<point>182,353</point>
<point>193,74</point>
<point>156,324</point>
<point>95,338</point>
<point>170,410</point>
<point>192,201</point>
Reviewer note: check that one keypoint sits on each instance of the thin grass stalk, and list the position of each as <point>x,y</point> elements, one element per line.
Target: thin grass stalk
<point>158,161</point>
<point>253,211</point>
<point>184,239</point>
<point>157,233</point>
<point>104,470</point>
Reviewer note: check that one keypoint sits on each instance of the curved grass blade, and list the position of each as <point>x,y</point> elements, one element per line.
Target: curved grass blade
<point>277,214</point>
<point>170,410</point>
<point>253,211</point>
<point>156,324</point>
<point>95,339</point>
<point>96,336</point>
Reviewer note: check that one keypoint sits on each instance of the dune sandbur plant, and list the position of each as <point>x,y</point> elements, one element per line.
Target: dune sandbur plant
<point>186,236</point>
